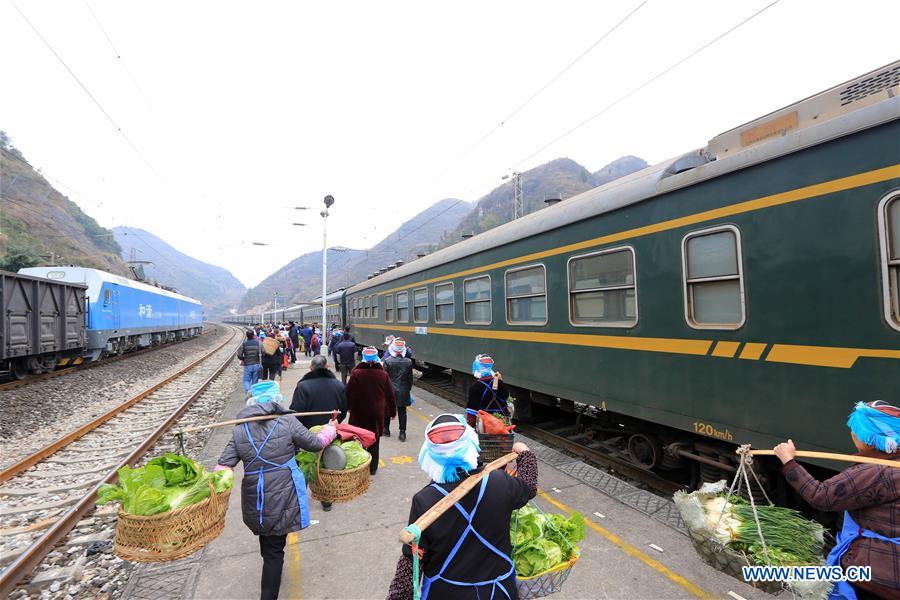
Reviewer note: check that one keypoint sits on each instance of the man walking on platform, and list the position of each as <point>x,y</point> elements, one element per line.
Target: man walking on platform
<point>319,391</point>
<point>306,333</point>
<point>294,334</point>
<point>345,356</point>
<point>250,355</point>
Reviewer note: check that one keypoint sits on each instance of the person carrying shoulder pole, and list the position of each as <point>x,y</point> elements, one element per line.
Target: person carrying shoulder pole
<point>273,489</point>
<point>466,552</point>
<point>869,496</point>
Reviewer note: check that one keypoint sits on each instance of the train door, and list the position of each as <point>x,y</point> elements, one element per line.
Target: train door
<point>110,306</point>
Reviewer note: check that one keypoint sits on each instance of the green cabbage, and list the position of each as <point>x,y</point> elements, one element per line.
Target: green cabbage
<point>542,541</point>
<point>356,454</point>
<point>152,489</point>
<point>309,464</point>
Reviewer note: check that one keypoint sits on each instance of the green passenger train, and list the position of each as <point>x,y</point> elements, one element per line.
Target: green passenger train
<point>745,292</point>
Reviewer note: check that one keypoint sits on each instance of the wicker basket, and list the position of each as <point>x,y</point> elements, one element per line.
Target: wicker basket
<point>494,445</point>
<point>171,535</point>
<point>340,486</point>
<point>546,583</point>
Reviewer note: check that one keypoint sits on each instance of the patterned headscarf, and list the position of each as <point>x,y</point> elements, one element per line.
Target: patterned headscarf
<point>876,424</point>
<point>370,355</point>
<point>265,391</point>
<point>450,446</point>
<point>483,366</point>
<point>398,347</point>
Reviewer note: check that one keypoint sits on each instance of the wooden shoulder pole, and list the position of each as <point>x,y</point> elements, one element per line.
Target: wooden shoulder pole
<point>445,503</point>
<point>834,456</point>
<point>262,418</point>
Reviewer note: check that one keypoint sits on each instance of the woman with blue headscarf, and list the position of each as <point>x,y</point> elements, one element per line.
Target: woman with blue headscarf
<point>868,494</point>
<point>466,552</point>
<point>487,392</point>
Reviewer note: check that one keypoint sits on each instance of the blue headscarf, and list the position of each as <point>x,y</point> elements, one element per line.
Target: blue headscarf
<point>446,461</point>
<point>876,424</point>
<point>483,366</point>
<point>265,391</point>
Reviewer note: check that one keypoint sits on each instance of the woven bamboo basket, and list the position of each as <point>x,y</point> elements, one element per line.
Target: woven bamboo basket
<point>495,445</point>
<point>340,486</point>
<point>171,535</point>
<point>546,583</point>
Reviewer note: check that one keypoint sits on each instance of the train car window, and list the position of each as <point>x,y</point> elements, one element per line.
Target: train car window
<point>444,309</point>
<point>477,300</point>
<point>526,296</point>
<point>420,305</point>
<point>714,287</point>
<point>389,308</point>
<point>402,307</point>
<point>367,301</point>
<point>889,221</point>
<point>105,297</point>
<point>602,289</point>
<point>374,306</point>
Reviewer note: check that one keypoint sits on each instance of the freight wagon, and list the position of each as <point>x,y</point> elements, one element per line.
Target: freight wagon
<point>42,324</point>
<point>745,292</point>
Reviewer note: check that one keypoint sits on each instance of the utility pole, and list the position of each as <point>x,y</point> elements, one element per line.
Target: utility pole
<point>518,200</point>
<point>329,200</point>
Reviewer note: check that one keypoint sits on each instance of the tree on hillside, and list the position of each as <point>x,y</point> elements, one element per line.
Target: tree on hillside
<point>6,144</point>
<point>19,255</point>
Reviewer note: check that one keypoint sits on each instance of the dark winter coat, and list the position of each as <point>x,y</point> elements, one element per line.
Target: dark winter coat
<point>370,396</point>
<point>346,351</point>
<point>399,369</point>
<point>306,334</point>
<point>275,359</point>
<point>294,334</point>
<point>281,513</point>
<point>250,352</point>
<point>317,391</point>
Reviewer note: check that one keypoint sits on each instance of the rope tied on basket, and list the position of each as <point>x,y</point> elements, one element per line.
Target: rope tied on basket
<point>416,552</point>
<point>745,465</point>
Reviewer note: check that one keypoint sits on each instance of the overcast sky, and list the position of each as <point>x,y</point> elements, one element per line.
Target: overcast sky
<point>243,110</point>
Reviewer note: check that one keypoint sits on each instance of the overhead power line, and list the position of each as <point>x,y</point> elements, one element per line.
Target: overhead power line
<point>89,94</point>
<point>608,107</point>
<point>121,60</point>
<point>541,90</point>
<point>648,82</point>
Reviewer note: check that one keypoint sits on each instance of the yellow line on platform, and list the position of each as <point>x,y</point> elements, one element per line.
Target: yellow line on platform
<point>634,552</point>
<point>293,552</point>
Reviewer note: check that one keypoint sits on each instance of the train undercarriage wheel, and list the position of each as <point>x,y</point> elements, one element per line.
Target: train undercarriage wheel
<point>645,450</point>
<point>18,369</point>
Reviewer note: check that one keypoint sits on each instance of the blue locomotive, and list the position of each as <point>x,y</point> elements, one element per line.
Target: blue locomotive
<point>123,314</point>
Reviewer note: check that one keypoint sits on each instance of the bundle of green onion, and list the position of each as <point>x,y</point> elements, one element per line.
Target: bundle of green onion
<point>790,538</point>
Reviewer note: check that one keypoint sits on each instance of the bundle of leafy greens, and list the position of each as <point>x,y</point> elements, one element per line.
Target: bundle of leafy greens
<point>791,539</point>
<point>309,461</point>
<point>165,483</point>
<point>542,541</point>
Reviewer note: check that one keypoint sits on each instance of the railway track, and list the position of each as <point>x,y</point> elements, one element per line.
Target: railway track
<point>565,435</point>
<point>59,372</point>
<point>46,494</point>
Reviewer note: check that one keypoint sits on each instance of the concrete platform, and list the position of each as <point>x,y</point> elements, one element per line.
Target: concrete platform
<point>351,551</point>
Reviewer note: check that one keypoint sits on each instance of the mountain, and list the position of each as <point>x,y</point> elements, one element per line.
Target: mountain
<point>560,178</point>
<point>215,287</point>
<point>41,226</point>
<point>301,279</point>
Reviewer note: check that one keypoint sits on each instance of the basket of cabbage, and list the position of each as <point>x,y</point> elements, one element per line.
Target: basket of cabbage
<point>168,509</point>
<point>544,549</point>
<point>331,485</point>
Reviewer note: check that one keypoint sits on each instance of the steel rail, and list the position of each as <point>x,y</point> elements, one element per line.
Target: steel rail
<point>32,459</point>
<point>625,468</point>
<point>35,553</point>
